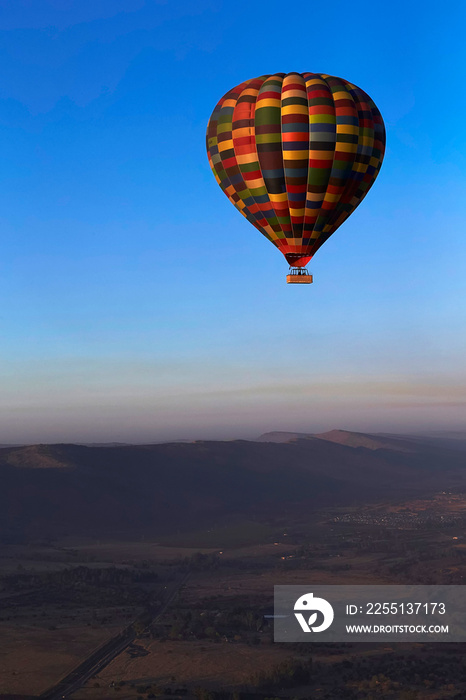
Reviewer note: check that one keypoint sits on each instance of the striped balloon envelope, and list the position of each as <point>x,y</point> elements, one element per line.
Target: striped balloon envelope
<point>296,154</point>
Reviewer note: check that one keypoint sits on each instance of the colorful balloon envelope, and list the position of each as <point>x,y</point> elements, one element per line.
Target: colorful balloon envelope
<point>296,154</point>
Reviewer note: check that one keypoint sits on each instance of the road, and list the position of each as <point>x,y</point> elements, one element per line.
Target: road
<point>105,654</point>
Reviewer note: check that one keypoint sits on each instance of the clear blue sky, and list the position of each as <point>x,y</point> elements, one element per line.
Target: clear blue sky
<point>130,310</point>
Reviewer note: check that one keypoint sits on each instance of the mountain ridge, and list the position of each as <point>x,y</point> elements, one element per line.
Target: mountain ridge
<point>370,441</point>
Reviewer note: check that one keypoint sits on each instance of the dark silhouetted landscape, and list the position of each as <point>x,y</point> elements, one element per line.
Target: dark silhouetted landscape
<point>139,571</point>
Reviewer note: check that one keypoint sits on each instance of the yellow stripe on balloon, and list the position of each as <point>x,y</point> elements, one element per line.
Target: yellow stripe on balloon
<point>268,102</point>
<point>294,109</point>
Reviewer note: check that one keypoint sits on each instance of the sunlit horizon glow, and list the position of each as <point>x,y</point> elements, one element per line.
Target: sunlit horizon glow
<point>131,309</point>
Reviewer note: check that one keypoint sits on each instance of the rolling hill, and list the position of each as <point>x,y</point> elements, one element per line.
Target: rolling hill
<point>52,491</point>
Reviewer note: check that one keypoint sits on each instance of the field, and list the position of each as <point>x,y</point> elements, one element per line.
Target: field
<point>200,663</point>
<point>31,659</point>
<point>61,601</point>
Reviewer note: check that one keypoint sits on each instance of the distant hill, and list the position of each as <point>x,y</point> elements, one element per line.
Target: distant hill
<point>281,436</point>
<point>126,491</point>
<point>33,457</point>
<point>366,440</point>
<point>343,437</point>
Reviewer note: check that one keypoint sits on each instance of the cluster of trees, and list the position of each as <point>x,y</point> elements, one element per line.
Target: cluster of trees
<point>236,624</point>
<point>406,676</point>
<point>85,587</point>
<point>153,690</point>
<point>202,562</point>
<point>287,674</point>
<point>74,575</point>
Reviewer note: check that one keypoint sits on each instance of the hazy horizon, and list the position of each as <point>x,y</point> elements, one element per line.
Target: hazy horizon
<point>225,435</point>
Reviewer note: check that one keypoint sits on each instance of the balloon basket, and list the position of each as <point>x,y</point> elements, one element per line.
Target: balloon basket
<point>298,275</point>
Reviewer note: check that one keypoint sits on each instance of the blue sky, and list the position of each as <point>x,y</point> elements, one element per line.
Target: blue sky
<point>138,305</point>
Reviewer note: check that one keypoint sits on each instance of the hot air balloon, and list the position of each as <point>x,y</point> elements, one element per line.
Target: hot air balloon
<point>296,153</point>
